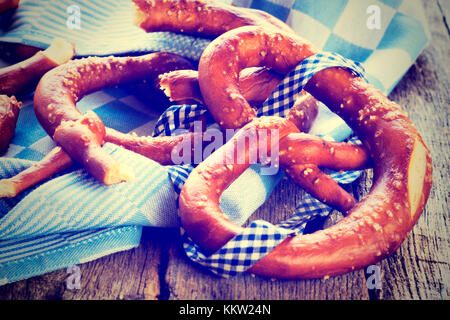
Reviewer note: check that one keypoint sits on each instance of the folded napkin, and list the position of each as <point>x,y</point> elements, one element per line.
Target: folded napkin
<point>72,218</point>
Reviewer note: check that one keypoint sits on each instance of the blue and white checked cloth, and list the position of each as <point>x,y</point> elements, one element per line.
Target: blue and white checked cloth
<point>39,236</point>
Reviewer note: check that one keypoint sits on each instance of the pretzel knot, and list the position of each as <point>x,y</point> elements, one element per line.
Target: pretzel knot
<point>372,228</point>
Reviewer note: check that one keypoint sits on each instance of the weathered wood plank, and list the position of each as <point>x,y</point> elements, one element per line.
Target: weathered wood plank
<point>420,268</point>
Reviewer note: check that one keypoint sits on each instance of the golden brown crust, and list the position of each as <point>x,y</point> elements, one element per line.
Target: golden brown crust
<point>82,140</point>
<point>301,155</point>
<point>9,113</point>
<point>14,53</point>
<point>231,54</point>
<point>181,85</point>
<point>304,111</point>
<point>21,77</point>
<point>207,18</point>
<point>374,227</point>
<point>82,136</point>
<point>158,149</point>
<point>199,211</point>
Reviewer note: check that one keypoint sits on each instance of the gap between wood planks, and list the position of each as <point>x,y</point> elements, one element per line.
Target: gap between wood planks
<point>444,15</point>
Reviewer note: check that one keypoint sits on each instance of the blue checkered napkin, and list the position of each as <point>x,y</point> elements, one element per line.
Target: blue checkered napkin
<point>178,117</point>
<point>241,252</point>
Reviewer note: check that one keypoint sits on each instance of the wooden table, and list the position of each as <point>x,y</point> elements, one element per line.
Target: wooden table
<point>158,268</point>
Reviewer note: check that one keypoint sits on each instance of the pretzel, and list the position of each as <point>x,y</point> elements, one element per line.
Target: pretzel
<point>82,136</point>
<point>301,155</point>
<point>13,52</point>
<point>373,228</point>
<point>199,17</point>
<point>19,78</point>
<point>9,113</point>
<point>159,149</point>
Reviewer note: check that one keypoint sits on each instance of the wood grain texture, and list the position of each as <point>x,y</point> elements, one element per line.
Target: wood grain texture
<point>420,268</point>
<point>158,268</point>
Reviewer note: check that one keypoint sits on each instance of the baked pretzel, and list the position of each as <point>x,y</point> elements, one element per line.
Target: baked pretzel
<point>158,149</point>
<point>200,212</point>
<point>301,155</point>
<point>9,113</point>
<point>208,18</point>
<point>82,136</point>
<point>374,227</point>
<point>14,53</point>
<point>21,77</point>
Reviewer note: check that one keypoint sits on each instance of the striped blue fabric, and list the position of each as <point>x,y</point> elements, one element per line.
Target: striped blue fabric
<point>386,50</point>
<point>97,27</point>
